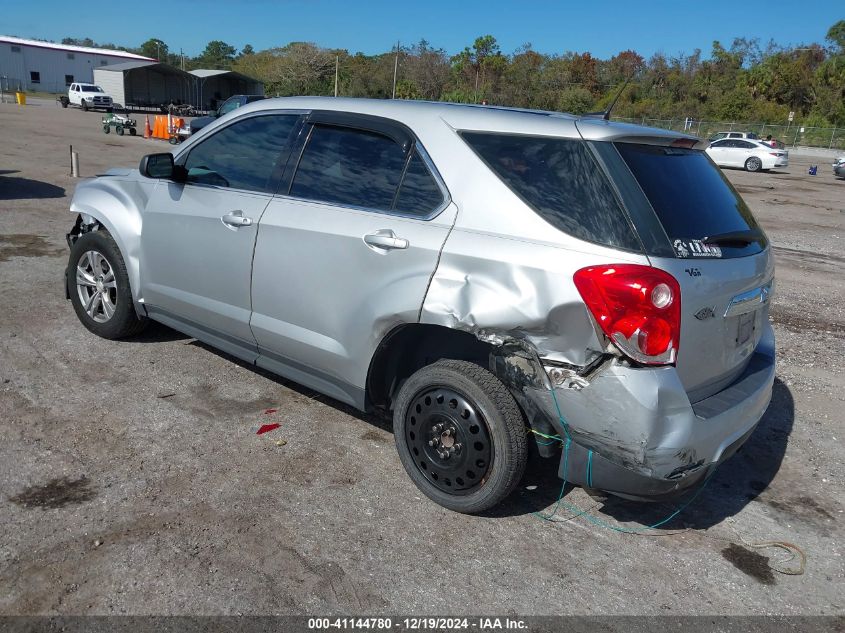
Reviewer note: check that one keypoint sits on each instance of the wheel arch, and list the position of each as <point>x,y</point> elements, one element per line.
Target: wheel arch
<point>411,346</point>
<point>112,204</point>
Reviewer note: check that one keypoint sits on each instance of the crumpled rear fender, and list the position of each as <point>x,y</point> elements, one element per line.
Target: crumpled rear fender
<point>117,202</point>
<point>500,288</point>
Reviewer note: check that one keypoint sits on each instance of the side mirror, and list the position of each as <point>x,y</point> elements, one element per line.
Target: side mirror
<point>161,166</point>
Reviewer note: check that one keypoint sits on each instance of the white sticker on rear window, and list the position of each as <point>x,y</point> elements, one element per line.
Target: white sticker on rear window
<point>695,248</point>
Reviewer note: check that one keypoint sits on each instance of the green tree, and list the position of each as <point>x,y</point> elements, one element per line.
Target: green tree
<point>154,48</point>
<point>836,35</point>
<point>217,55</point>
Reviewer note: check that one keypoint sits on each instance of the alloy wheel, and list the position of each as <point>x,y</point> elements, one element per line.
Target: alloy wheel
<point>96,286</point>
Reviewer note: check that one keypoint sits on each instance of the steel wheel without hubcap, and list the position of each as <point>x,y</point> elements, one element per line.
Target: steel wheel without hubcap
<point>96,286</point>
<point>449,440</point>
<point>460,435</point>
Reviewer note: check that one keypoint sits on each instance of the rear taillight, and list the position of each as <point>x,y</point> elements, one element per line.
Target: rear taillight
<point>637,307</point>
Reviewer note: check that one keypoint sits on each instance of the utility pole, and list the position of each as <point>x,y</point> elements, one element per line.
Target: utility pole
<point>182,58</point>
<point>336,65</point>
<point>395,69</point>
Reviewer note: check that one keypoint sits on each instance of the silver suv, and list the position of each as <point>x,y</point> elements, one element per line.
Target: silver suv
<point>485,274</point>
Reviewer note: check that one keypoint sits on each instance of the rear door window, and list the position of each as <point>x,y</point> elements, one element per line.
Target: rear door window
<point>561,181</point>
<point>419,193</point>
<point>692,198</point>
<point>351,167</point>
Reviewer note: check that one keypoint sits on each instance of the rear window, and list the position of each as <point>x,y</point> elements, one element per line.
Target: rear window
<point>691,197</point>
<point>559,179</point>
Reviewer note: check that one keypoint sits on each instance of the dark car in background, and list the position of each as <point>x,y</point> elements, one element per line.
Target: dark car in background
<point>232,103</point>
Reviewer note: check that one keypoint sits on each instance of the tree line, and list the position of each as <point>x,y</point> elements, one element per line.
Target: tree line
<point>747,81</point>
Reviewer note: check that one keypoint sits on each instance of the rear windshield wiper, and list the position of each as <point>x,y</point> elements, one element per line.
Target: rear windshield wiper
<point>742,238</point>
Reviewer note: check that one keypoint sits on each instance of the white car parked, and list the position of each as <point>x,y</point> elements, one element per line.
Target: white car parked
<point>747,154</point>
<point>721,135</point>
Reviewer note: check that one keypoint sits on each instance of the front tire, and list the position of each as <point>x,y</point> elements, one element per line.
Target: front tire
<point>84,106</point>
<point>460,435</point>
<point>753,164</point>
<point>99,290</point>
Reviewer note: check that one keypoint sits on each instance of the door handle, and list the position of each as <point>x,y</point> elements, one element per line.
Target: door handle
<point>385,239</point>
<point>235,219</point>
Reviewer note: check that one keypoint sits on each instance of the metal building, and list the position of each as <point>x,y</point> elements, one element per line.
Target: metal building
<point>44,66</point>
<point>215,86</point>
<point>145,84</point>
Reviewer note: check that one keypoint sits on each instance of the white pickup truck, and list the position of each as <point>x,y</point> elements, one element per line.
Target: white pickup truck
<point>87,97</point>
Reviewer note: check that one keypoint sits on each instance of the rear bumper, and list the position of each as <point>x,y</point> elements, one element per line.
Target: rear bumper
<point>636,434</point>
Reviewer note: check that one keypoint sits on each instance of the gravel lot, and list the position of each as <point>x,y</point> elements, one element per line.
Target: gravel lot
<point>132,480</point>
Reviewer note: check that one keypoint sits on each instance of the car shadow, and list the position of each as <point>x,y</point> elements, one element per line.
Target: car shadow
<point>371,418</point>
<point>736,483</point>
<point>157,333</point>
<point>15,188</point>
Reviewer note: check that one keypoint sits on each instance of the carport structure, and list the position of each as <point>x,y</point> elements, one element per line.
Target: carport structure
<point>145,84</point>
<point>215,86</point>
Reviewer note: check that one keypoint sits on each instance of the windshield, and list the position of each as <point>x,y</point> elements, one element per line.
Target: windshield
<point>692,199</point>
<point>91,89</point>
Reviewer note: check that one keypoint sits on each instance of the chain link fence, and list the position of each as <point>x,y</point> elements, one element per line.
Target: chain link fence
<point>791,135</point>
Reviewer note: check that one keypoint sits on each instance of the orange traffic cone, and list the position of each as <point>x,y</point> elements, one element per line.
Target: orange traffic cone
<point>147,132</point>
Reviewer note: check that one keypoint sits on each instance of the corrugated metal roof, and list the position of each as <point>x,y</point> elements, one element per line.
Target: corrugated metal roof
<point>19,41</point>
<point>203,73</point>
<point>123,66</point>
<point>208,73</point>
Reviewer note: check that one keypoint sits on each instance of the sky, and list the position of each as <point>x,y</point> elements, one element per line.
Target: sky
<point>602,28</point>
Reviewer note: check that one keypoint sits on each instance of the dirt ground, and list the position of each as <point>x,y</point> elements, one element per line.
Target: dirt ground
<point>132,480</point>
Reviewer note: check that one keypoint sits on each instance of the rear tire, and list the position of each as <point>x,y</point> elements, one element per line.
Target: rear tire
<point>99,290</point>
<point>753,164</point>
<point>460,410</point>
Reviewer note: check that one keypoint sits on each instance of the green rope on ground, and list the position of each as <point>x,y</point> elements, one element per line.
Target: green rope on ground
<point>584,513</point>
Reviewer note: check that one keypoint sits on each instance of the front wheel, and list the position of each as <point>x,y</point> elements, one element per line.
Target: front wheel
<point>106,128</point>
<point>119,130</point>
<point>460,435</point>
<point>84,106</point>
<point>98,285</point>
<point>753,164</point>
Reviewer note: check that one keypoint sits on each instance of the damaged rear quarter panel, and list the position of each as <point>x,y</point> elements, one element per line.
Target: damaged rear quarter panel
<point>510,288</point>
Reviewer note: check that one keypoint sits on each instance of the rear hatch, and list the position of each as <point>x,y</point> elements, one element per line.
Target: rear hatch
<point>711,244</point>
